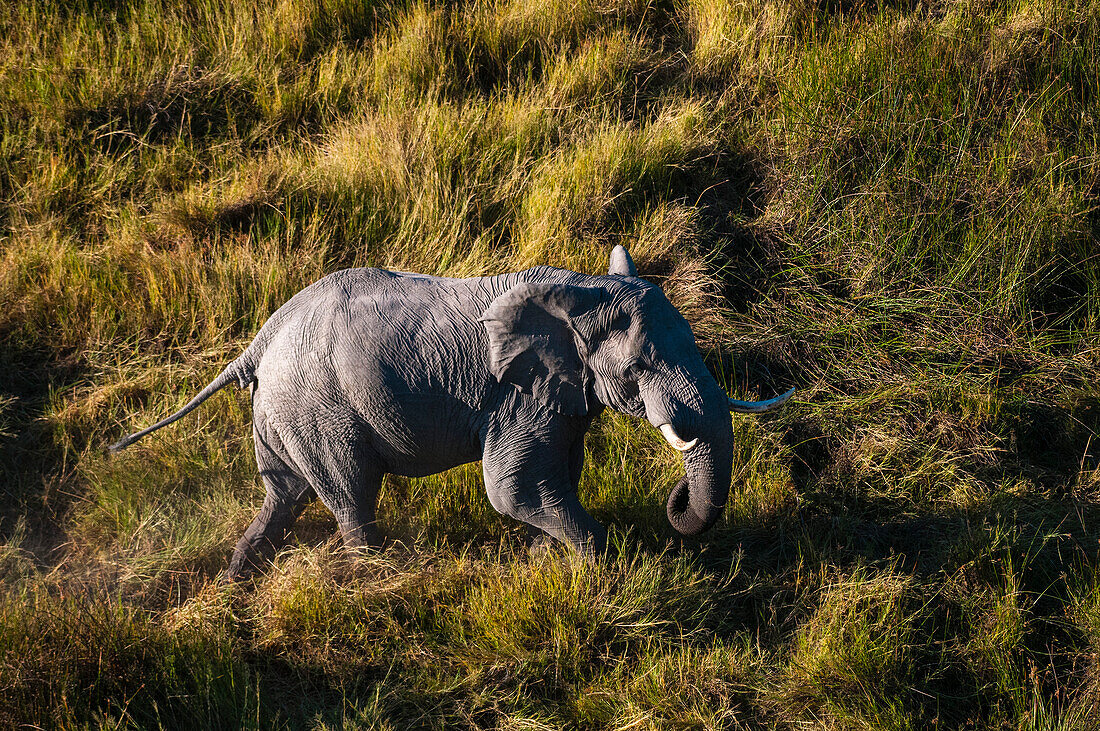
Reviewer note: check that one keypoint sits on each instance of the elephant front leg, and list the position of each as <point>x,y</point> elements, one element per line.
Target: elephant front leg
<point>532,476</point>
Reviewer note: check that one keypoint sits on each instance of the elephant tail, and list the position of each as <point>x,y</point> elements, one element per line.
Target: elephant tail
<point>239,371</point>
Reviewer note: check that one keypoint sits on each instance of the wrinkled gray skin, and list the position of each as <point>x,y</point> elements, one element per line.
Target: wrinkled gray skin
<point>368,372</point>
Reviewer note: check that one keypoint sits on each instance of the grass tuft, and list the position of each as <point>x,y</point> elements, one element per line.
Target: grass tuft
<point>892,206</point>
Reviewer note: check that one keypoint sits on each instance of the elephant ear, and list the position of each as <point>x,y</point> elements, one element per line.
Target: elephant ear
<point>535,342</point>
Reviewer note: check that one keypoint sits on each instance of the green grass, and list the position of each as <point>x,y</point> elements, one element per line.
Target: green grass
<point>892,205</point>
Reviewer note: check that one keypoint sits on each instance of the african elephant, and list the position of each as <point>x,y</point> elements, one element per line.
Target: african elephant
<point>368,372</point>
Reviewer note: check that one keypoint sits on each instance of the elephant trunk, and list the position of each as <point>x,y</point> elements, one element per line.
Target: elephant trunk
<point>697,501</point>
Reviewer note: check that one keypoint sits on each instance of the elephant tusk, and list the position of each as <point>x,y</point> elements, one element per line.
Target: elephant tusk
<point>759,407</point>
<point>674,439</point>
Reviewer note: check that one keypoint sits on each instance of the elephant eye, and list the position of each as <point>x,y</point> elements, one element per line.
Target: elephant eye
<point>633,369</point>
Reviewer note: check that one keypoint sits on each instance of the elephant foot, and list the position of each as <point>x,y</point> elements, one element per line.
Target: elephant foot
<point>541,544</point>
<point>246,563</point>
<point>229,578</point>
<point>362,539</point>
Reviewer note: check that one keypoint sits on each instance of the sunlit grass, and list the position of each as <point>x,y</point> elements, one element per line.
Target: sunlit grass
<point>892,206</point>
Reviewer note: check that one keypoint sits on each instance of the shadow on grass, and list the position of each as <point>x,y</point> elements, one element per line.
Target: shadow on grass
<point>954,558</point>
<point>32,460</point>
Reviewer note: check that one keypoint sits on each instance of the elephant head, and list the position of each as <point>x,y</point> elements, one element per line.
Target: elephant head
<point>617,341</point>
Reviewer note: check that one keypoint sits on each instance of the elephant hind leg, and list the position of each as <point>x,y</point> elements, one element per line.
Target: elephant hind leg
<point>286,495</point>
<point>345,475</point>
<point>358,527</point>
<point>352,496</point>
<point>266,535</point>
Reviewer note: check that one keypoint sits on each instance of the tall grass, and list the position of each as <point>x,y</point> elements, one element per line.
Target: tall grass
<point>891,205</point>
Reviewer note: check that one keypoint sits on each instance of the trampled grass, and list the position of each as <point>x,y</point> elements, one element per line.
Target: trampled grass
<point>892,206</point>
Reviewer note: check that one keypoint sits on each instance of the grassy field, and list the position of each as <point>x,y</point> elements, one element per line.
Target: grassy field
<point>894,206</point>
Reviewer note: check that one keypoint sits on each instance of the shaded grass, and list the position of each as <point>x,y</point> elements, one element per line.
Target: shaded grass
<point>889,205</point>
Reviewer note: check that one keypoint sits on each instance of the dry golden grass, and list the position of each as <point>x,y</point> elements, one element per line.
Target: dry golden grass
<point>891,205</point>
